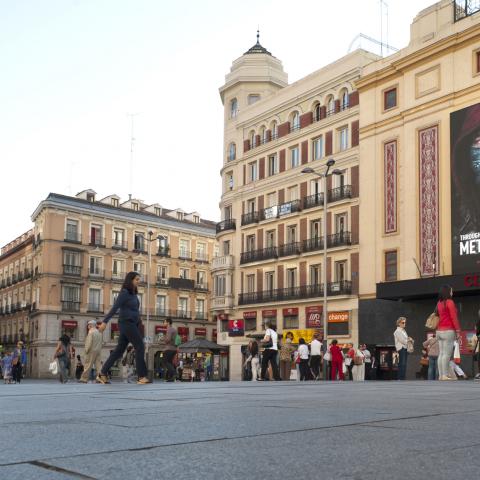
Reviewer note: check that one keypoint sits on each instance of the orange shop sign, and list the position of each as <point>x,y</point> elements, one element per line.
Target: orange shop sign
<point>338,317</point>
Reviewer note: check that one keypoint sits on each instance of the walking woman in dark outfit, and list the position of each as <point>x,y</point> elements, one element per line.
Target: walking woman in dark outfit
<point>129,326</point>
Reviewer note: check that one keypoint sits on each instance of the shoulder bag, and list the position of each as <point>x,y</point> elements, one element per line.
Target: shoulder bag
<point>432,320</point>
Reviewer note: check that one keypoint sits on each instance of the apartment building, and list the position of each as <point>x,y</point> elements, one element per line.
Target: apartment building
<point>420,176</point>
<point>80,250</point>
<point>270,238</point>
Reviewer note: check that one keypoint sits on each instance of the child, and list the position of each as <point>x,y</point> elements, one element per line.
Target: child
<point>7,367</point>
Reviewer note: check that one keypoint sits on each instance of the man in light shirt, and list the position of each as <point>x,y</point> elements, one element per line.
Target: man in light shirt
<point>315,355</point>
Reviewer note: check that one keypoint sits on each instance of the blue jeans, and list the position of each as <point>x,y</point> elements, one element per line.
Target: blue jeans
<point>432,368</point>
<point>402,363</point>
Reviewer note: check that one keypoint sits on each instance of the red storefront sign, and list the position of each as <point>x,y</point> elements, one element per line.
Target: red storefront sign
<point>290,312</point>
<point>472,280</point>
<point>200,332</point>
<point>222,316</point>
<point>249,315</point>
<point>466,342</point>
<point>114,327</point>
<point>69,323</point>
<point>161,329</point>
<point>268,314</point>
<point>313,316</point>
<point>183,332</point>
<point>214,335</point>
<point>236,328</point>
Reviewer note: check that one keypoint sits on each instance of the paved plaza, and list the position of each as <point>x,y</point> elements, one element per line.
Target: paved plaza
<point>373,430</point>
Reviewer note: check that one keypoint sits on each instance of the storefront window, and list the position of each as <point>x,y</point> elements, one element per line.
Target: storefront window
<point>290,322</point>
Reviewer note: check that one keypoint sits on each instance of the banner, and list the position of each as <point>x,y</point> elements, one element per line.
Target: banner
<point>306,334</point>
<point>313,316</point>
<point>465,186</point>
<point>467,342</point>
<point>236,328</point>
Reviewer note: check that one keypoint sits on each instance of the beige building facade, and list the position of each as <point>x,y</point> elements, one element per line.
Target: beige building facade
<point>82,248</point>
<point>419,176</point>
<point>270,238</point>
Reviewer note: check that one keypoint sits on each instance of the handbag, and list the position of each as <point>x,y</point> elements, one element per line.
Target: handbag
<point>424,361</point>
<point>432,320</point>
<point>410,343</point>
<point>53,368</point>
<point>268,344</point>
<point>456,353</point>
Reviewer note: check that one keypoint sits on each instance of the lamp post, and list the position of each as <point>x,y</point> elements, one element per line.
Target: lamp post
<point>324,176</point>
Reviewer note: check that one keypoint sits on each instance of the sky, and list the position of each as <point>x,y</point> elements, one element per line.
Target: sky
<point>72,71</point>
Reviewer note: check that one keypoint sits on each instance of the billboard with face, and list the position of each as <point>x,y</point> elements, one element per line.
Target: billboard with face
<point>465,185</point>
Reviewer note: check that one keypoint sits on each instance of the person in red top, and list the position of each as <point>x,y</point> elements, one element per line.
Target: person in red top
<point>336,361</point>
<point>448,330</point>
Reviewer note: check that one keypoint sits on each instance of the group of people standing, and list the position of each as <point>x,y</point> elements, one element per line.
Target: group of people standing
<point>13,364</point>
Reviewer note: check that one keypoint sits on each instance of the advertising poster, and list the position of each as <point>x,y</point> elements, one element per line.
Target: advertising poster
<point>313,316</point>
<point>306,334</point>
<point>236,328</point>
<point>467,342</point>
<point>383,359</point>
<point>465,186</point>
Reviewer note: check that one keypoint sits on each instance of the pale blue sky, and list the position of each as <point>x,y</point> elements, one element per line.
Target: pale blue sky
<point>72,69</point>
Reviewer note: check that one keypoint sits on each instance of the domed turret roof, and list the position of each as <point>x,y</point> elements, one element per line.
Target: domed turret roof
<point>257,48</point>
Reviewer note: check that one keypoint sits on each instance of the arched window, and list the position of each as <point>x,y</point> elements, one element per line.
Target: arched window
<point>233,108</point>
<point>232,152</point>
<point>344,100</point>
<point>274,130</point>
<point>330,105</point>
<point>252,139</point>
<point>263,135</point>
<point>316,112</point>
<point>295,124</point>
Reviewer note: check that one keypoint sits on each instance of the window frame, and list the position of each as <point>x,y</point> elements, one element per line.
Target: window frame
<point>385,94</point>
<point>387,264</point>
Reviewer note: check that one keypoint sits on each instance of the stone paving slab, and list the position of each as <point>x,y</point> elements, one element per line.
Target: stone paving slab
<point>234,430</point>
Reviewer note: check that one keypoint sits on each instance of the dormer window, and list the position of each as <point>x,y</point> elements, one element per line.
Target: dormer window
<point>135,206</point>
<point>196,219</point>
<point>179,216</point>
<point>158,211</point>
<point>90,197</point>
<point>115,202</point>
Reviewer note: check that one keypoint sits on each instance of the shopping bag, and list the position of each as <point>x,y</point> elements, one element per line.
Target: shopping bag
<point>456,353</point>
<point>53,367</point>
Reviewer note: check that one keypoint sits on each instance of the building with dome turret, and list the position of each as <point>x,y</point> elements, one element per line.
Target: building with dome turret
<point>271,261</point>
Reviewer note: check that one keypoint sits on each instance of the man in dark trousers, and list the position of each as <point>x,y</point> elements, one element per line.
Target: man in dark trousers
<point>170,350</point>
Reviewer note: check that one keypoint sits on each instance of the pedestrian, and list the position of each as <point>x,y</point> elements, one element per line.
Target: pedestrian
<point>252,351</point>
<point>315,355</point>
<point>24,354</point>
<point>358,369</point>
<point>180,370</point>
<point>129,325</point>
<point>170,350</point>
<point>368,361</point>
<point>62,355</point>
<point>79,367</point>
<point>17,363</point>
<point>7,367</point>
<point>93,351</point>
<point>448,330</point>
<point>270,353</point>
<point>401,346</point>
<point>208,367</point>
<point>286,351</point>
<point>432,351</point>
<point>303,356</point>
<point>336,356</point>
<point>349,362</point>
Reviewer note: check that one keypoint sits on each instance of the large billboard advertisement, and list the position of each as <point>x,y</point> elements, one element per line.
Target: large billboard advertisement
<point>465,184</point>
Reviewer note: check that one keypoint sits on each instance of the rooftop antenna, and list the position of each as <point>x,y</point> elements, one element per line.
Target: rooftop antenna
<point>132,143</point>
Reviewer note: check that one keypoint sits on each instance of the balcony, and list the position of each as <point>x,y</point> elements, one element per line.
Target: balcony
<point>118,276</point>
<point>311,201</point>
<point>27,274</point>
<point>201,257</point>
<point>183,314</point>
<point>97,241</point>
<point>181,283</point>
<point>20,277</point>
<point>9,281</point>
<point>185,255</point>
<point>201,316</point>
<point>163,251</point>
<point>222,302</point>
<point>119,244</point>
<point>339,239</point>
<point>294,248</point>
<point>72,237</point>
<point>201,286</point>
<point>225,225</point>
<point>14,279</point>
<point>139,247</point>
<point>162,282</point>
<point>295,293</point>
<point>339,193</point>
<point>96,273</point>
<point>258,255</point>
<point>69,306</point>
<point>94,308</point>
<point>465,8</point>
<point>3,284</point>
<point>225,262</point>
<point>249,218</point>
<point>72,270</point>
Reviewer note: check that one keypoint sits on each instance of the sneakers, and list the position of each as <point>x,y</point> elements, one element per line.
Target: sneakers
<point>143,381</point>
<point>102,379</point>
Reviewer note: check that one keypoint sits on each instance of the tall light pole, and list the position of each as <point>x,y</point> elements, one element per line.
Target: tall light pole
<point>324,176</point>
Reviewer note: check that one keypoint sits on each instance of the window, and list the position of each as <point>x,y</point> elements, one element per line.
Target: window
<point>196,218</point>
<point>95,266</point>
<point>250,283</point>
<point>161,305</point>
<point>201,279</point>
<point>271,199</point>
<point>250,243</point>
<point>291,234</point>
<point>294,157</point>
<point>477,62</point>
<point>293,193</point>
<point>252,98</point>
<point>316,186</point>
<point>72,233</point>
<point>331,106</point>
<point>391,266</point>
<point>340,223</point>
<point>163,247</point>
<point>94,300</point>
<point>343,138</point>
<point>139,267</point>
<point>340,180</point>
<point>139,241</point>
<point>227,213</point>
<point>315,275</point>
<point>233,108</point>
<point>118,269</point>
<point>71,297</point>
<point>226,247</point>
<point>135,206</point>
<point>390,98</point>
<point>96,235</point>
<point>162,275</point>
<point>253,172</point>
<point>263,135</point>
<point>269,281</point>
<point>201,251</point>
<point>118,237</point>
<point>115,202</point>
<point>184,249</point>
<point>229,181</point>
<point>291,277</point>
<point>272,165</point>
<point>183,306</point>
<point>316,112</point>
<point>71,263</point>
<point>344,104</point>
<point>253,142</point>
<point>317,150</point>
<point>250,324</point>
<point>295,125</point>
<point>180,216</point>
<point>270,239</point>
<point>158,211</point>
<point>219,285</point>
<point>251,205</point>
<point>340,271</point>
<point>274,130</point>
<point>184,273</point>
<point>232,152</point>
<point>200,309</point>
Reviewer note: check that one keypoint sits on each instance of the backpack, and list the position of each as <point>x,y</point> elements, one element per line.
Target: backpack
<point>178,340</point>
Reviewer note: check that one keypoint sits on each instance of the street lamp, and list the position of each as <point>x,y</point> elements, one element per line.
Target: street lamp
<point>150,239</point>
<point>324,175</point>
